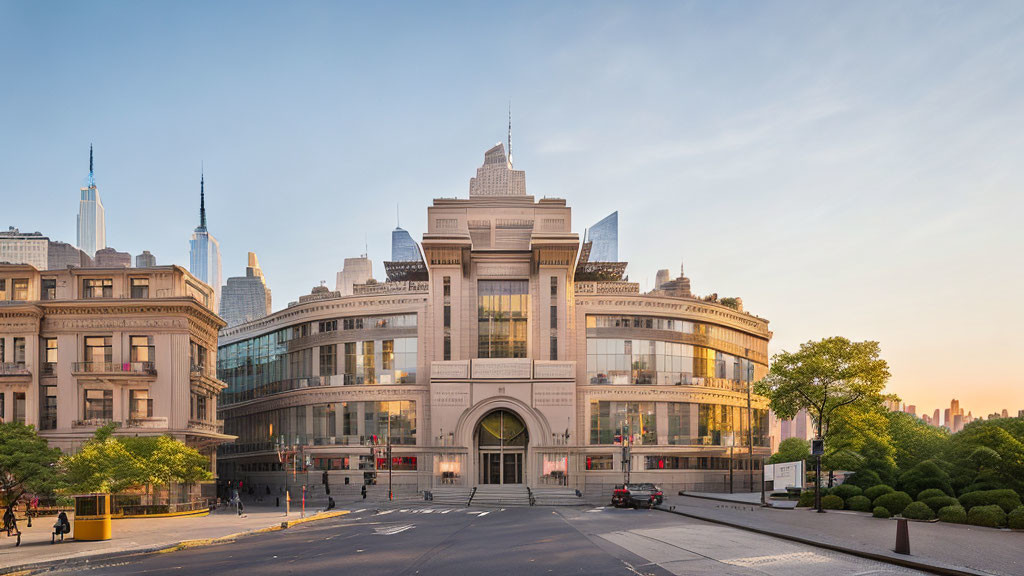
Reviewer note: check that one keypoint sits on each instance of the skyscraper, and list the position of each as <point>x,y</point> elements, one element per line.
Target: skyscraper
<point>403,247</point>
<point>605,238</point>
<point>92,223</point>
<point>18,247</point>
<point>111,258</point>
<point>245,298</point>
<point>204,250</point>
<point>355,271</point>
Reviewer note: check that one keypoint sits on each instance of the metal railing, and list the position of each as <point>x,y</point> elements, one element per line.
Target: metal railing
<point>48,369</point>
<point>14,369</point>
<point>92,422</point>
<point>216,426</point>
<point>119,509</point>
<point>141,368</point>
<point>147,422</point>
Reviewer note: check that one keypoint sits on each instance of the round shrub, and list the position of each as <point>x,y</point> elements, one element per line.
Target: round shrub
<point>1005,499</point>
<point>806,499</point>
<point>894,502</point>
<point>990,515</point>
<point>930,493</point>
<point>876,491</point>
<point>846,491</point>
<point>918,511</point>
<point>881,512</point>
<point>927,474</point>
<point>864,479</point>
<point>859,503</point>
<point>937,503</point>
<point>1015,519</point>
<point>953,514</point>
<point>832,502</point>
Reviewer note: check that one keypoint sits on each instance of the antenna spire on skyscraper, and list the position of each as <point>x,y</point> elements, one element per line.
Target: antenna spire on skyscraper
<point>510,132</point>
<point>90,158</point>
<point>202,197</point>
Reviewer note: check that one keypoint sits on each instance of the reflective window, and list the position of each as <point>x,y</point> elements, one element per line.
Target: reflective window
<point>140,287</point>
<point>98,288</point>
<point>140,405</point>
<point>99,405</point>
<point>502,311</point>
<point>618,422</point>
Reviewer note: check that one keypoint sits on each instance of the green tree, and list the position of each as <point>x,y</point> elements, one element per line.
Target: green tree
<point>987,455</point>
<point>859,441</point>
<point>27,463</point>
<point>914,441</point>
<point>791,450</point>
<point>825,377</point>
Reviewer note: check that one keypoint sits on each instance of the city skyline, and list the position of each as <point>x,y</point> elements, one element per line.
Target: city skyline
<point>826,259</point>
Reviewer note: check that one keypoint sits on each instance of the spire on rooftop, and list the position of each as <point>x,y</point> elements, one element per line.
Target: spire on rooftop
<point>202,200</point>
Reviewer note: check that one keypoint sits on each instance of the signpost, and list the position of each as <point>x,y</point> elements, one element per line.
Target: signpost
<point>817,450</point>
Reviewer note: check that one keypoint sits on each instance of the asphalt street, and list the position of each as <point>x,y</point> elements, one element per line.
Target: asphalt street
<point>428,540</point>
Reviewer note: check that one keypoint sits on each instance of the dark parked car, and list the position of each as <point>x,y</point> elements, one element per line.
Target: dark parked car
<point>634,496</point>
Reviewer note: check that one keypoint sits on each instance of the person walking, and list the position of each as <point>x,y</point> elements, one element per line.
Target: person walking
<point>11,523</point>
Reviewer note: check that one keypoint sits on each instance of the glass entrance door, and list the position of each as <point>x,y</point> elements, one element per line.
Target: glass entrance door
<point>502,442</point>
<point>501,467</point>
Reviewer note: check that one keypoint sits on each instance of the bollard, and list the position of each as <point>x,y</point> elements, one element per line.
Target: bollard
<point>902,537</point>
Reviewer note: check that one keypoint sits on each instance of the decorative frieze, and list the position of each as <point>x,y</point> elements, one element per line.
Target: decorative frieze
<point>560,394</point>
<point>503,269</point>
<point>458,369</point>
<point>504,368</point>
<point>547,369</point>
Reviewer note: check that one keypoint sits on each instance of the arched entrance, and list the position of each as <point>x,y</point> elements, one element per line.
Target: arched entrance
<point>501,439</point>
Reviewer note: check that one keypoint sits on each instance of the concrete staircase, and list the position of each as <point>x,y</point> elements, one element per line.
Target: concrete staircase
<point>451,496</point>
<point>497,495</point>
<point>556,497</point>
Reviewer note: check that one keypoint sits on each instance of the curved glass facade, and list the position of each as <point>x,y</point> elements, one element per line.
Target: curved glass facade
<point>675,424</point>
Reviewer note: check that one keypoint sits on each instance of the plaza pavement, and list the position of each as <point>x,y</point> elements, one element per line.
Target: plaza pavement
<point>945,548</point>
<point>134,536</point>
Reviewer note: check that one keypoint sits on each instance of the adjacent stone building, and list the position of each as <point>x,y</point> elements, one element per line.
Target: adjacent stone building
<point>83,347</point>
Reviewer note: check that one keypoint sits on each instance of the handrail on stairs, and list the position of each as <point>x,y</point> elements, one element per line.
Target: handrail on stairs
<point>471,494</point>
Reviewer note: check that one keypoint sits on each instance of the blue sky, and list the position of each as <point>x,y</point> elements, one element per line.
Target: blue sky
<point>846,168</point>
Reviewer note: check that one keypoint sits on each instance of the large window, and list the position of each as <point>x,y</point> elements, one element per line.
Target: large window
<point>502,313</point>
<point>616,422</point>
<point>19,289</point>
<point>329,360</point>
<point>19,407</point>
<point>48,408</point>
<point>140,287</point>
<point>49,289</point>
<point>98,350</point>
<point>99,405</point>
<point>140,404</point>
<point>142,349</point>
<point>98,288</point>
<point>19,351</point>
<point>628,361</point>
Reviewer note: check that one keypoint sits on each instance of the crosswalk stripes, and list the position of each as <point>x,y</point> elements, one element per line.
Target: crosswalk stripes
<point>435,510</point>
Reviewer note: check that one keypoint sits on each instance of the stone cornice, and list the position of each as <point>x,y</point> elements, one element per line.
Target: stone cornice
<point>677,307</point>
<point>669,394</point>
<point>324,394</point>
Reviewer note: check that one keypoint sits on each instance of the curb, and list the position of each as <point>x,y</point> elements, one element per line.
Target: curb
<point>767,504</point>
<point>942,569</point>
<point>27,569</point>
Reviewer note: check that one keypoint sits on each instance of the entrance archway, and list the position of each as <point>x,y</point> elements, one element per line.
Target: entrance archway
<point>501,440</point>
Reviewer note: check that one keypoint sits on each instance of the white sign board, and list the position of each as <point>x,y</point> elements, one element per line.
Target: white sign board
<point>785,474</point>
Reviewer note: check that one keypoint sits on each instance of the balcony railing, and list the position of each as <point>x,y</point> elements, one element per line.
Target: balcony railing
<point>92,422</point>
<point>48,369</point>
<point>150,422</point>
<point>199,370</point>
<point>137,368</point>
<point>216,427</point>
<point>288,384</point>
<point>14,369</point>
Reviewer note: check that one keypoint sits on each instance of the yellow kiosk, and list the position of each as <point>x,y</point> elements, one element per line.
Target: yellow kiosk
<point>92,517</point>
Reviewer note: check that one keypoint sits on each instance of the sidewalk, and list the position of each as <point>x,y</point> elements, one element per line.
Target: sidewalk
<point>135,535</point>
<point>946,548</point>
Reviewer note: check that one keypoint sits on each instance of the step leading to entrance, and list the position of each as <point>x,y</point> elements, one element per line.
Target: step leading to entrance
<point>503,495</point>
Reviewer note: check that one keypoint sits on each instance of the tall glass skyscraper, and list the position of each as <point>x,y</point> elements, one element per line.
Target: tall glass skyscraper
<point>204,251</point>
<point>403,247</point>
<point>605,238</point>
<point>92,223</point>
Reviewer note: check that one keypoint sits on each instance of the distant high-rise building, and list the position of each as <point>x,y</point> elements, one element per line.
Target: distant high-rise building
<point>61,256</point>
<point>18,247</point>
<point>660,278</point>
<point>111,258</point>
<point>935,418</point>
<point>1020,413</point>
<point>145,260</point>
<point>245,298</point>
<point>92,223</point>
<point>356,271</point>
<point>958,423</point>
<point>911,409</point>
<point>1005,413</point>
<point>204,250</point>
<point>403,247</point>
<point>892,405</point>
<point>605,239</point>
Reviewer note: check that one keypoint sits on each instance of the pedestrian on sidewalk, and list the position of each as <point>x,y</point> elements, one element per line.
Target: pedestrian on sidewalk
<point>11,523</point>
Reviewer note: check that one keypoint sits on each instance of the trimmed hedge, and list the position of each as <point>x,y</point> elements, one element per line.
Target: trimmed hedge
<point>937,503</point>
<point>832,502</point>
<point>864,479</point>
<point>927,474</point>
<point>859,503</point>
<point>881,512</point>
<point>1005,499</point>
<point>1015,519</point>
<point>990,515</point>
<point>953,514</point>
<point>930,493</point>
<point>918,511</point>
<point>806,499</point>
<point>894,502</point>
<point>846,491</point>
<point>876,491</point>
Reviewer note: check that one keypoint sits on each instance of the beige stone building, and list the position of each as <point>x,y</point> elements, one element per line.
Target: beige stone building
<point>511,364</point>
<point>82,347</point>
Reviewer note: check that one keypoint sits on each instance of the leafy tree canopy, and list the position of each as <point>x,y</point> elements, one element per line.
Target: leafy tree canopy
<point>791,450</point>
<point>824,377</point>
<point>27,463</point>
